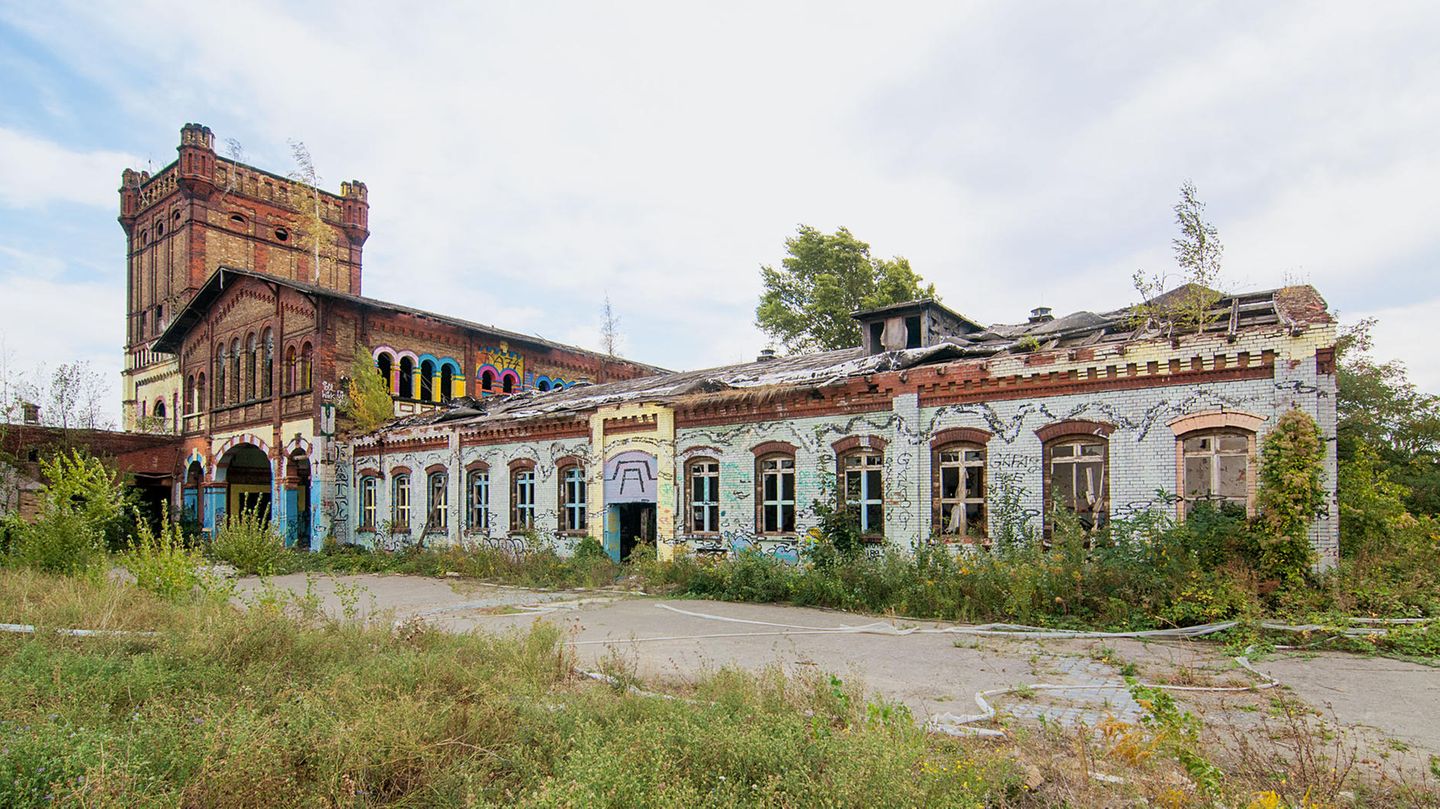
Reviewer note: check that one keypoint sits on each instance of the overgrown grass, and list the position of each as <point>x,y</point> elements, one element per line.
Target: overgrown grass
<point>253,708</point>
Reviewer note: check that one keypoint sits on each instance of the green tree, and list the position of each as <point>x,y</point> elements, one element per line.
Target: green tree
<point>807,302</point>
<point>367,401</point>
<point>1379,407</point>
<point>1198,254</point>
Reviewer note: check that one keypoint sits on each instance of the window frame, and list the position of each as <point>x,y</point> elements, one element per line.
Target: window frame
<point>1101,515</point>
<point>400,503</point>
<point>710,508</point>
<point>864,474</point>
<point>437,502</point>
<point>369,501</point>
<point>780,503</point>
<point>1214,454</point>
<point>574,513</point>
<point>522,510</point>
<point>938,465</point>
<point>477,507</point>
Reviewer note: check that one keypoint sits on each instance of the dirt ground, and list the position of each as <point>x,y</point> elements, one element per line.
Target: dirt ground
<point>1388,707</point>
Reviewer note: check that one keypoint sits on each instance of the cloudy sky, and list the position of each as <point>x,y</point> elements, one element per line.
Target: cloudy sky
<point>525,159</point>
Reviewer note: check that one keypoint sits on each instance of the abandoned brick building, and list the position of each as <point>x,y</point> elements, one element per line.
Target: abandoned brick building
<point>243,315</point>
<point>938,427</point>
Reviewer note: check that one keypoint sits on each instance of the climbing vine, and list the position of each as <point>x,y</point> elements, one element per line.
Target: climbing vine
<point>1291,494</point>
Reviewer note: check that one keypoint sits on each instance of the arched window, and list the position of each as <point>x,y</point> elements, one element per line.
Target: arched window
<point>384,363</point>
<point>251,366</point>
<point>478,501</point>
<point>400,503</point>
<point>522,496</point>
<point>291,365</point>
<point>447,383</point>
<point>437,509</point>
<point>702,492</point>
<point>234,393</point>
<point>542,385</point>
<point>1215,469</point>
<point>487,380</point>
<point>775,493</point>
<point>267,366</point>
<point>202,394</point>
<point>1077,478</point>
<point>367,503</point>
<point>407,378</point>
<point>862,489</point>
<point>307,366</point>
<point>220,361</point>
<point>959,490</point>
<point>159,411</point>
<point>507,383</point>
<point>189,394</point>
<point>427,381</point>
<point>572,499</point>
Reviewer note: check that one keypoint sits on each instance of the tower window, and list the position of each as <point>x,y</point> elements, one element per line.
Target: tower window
<point>282,234</point>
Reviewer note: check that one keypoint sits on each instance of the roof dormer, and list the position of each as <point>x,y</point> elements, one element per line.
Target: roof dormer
<point>911,324</point>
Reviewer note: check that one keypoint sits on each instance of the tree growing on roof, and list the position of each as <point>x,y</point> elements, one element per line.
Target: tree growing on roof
<point>609,328</point>
<point>1198,253</point>
<point>807,302</point>
<point>312,234</point>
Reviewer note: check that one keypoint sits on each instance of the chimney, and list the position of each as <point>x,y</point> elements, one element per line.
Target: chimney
<point>1041,314</point>
<point>766,355</point>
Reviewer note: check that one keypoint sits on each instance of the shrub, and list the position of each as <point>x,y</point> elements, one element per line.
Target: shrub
<point>249,541</point>
<point>1291,494</point>
<point>80,509</point>
<point>160,560</point>
<point>61,541</point>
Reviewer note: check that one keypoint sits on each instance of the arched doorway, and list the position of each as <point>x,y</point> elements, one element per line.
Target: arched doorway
<point>297,500</point>
<point>246,472</point>
<point>630,502</point>
<point>190,493</point>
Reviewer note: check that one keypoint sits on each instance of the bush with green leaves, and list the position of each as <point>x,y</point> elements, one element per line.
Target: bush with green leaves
<point>80,511</point>
<point>250,542</point>
<point>1291,494</point>
<point>162,561</point>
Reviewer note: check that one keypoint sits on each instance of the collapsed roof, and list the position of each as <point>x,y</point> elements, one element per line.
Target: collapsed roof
<point>1288,308</point>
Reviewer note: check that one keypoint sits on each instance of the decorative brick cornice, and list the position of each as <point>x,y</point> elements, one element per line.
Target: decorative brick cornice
<point>854,442</point>
<point>959,435</point>
<point>773,448</point>
<point>1059,429</point>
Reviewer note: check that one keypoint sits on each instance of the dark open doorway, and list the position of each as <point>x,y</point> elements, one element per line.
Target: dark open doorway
<point>637,525</point>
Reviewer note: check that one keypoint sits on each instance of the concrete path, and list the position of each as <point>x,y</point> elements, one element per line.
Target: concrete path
<point>675,640</point>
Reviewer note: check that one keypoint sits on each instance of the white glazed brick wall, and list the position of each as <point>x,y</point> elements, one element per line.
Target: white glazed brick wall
<point>498,457</point>
<point>1142,451</point>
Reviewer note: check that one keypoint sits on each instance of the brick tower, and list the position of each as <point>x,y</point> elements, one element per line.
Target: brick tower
<point>203,211</point>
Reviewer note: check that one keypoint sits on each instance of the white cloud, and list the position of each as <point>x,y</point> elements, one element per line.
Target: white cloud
<point>35,172</point>
<point>525,159</point>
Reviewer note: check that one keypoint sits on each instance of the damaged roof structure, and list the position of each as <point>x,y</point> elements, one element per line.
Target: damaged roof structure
<point>1287,308</point>
<point>935,429</point>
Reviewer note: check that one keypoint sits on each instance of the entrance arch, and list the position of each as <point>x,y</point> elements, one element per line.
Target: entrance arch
<point>297,499</point>
<point>631,496</point>
<point>245,471</point>
<point>190,492</point>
